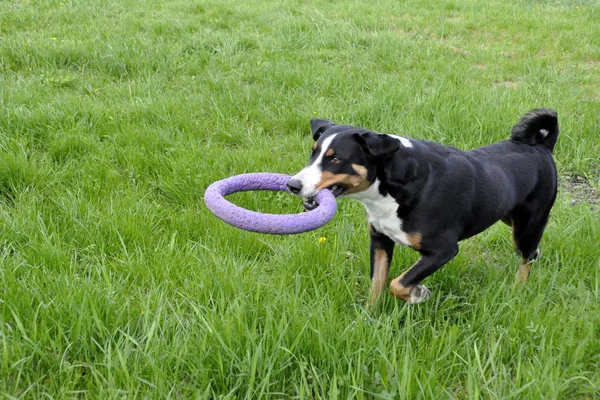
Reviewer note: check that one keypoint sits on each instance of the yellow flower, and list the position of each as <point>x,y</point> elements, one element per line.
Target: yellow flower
<point>322,239</point>
<point>53,38</point>
<point>314,112</point>
<point>142,313</point>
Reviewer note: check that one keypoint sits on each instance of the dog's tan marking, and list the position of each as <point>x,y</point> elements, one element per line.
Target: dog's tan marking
<point>399,290</point>
<point>314,146</point>
<point>330,152</point>
<point>412,294</point>
<point>525,267</point>
<point>353,183</point>
<point>381,266</point>
<point>523,272</point>
<point>415,240</point>
<point>361,170</point>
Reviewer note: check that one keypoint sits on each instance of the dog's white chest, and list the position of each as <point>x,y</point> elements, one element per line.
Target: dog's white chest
<point>382,213</point>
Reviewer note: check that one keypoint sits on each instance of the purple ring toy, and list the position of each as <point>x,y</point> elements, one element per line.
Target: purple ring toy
<point>262,222</point>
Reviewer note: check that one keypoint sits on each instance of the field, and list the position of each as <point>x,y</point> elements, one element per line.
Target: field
<point>117,282</point>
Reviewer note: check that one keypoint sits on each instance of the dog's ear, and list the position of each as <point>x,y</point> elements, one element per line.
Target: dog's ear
<point>318,126</point>
<point>377,144</point>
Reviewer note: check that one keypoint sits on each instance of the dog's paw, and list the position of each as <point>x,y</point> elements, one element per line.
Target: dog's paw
<point>419,294</point>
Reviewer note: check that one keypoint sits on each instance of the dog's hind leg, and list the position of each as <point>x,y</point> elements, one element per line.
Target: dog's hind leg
<point>382,251</point>
<point>407,287</point>
<point>528,228</point>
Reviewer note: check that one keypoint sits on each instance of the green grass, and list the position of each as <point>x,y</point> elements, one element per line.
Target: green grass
<point>116,281</point>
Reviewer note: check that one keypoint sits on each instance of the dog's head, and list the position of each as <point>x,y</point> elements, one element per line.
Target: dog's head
<point>344,159</point>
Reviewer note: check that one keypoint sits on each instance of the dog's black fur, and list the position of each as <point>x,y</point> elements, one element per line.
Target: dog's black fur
<point>443,194</point>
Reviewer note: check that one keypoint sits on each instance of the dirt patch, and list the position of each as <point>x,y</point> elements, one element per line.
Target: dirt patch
<point>592,64</point>
<point>580,190</point>
<point>455,20</point>
<point>458,50</point>
<point>508,84</point>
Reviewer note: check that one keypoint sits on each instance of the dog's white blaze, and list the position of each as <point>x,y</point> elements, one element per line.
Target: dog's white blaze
<point>312,174</point>
<point>544,132</point>
<point>405,142</point>
<point>382,213</point>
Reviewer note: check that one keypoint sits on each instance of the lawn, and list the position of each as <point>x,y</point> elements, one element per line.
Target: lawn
<point>117,282</point>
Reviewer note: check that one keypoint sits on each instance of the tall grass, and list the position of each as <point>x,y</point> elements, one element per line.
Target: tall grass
<point>116,281</point>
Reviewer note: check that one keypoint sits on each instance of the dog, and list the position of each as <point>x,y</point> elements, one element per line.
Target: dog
<point>428,196</point>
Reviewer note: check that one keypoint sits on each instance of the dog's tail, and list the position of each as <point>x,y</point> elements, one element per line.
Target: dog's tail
<point>539,126</point>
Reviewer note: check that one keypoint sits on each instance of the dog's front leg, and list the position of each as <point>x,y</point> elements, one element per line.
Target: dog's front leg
<point>382,251</point>
<point>406,286</point>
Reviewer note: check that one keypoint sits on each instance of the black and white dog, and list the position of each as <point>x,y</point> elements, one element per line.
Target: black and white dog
<point>428,196</point>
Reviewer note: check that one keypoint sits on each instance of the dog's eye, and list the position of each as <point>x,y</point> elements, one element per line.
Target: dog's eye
<point>335,160</point>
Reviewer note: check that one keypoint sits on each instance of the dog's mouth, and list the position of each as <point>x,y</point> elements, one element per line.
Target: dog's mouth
<point>337,190</point>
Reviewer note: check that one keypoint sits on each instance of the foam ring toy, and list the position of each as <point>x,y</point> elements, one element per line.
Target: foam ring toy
<point>253,221</point>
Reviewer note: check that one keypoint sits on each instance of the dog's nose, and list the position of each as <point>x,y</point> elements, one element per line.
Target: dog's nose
<point>295,186</point>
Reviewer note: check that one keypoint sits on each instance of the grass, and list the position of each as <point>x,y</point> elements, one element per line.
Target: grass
<point>117,282</point>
